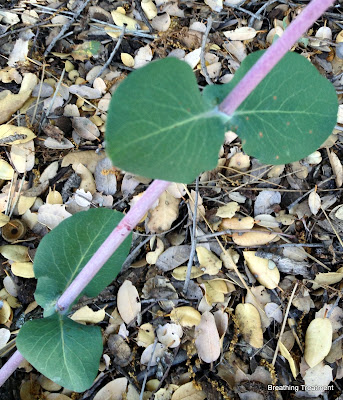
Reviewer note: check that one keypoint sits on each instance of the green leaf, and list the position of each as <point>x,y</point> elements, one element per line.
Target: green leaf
<point>64,351</point>
<point>158,125</point>
<point>86,50</point>
<point>288,116</point>
<point>64,251</point>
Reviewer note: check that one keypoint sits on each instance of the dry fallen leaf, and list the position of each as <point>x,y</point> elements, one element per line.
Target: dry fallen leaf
<point>284,352</point>
<point>188,391</point>
<point>23,269</point>
<point>337,168</point>
<point>6,170</point>
<point>169,335</point>
<point>249,323</point>
<point>146,335</point>
<point>314,202</point>
<point>318,341</point>
<point>244,33</point>
<point>113,390</point>
<point>228,211</point>
<point>128,303</point>
<point>152,354</point>
<point>87,315</point>
<point>209,263</point>
<point>162,216</point>
<point>318,378</point>
<point>207,341</point>
<point>15,134</point>
<point>23,156</point>
<point>152,256</point>
<point>185,316</point>
<point>256,237</point>
<point>51,215</point>
<point>264,270</point>
<point>237,223</point>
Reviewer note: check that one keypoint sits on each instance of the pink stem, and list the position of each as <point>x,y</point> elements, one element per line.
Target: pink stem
<point>111,244</point>
<point>10,366</point>
<point>274,54</point>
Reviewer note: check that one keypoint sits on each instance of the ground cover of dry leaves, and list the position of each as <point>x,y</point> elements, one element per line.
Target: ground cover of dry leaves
<point>229,332</point>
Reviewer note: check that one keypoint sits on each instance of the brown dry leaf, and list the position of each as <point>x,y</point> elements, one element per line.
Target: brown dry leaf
<point>10,74</point>
<point>146,335</point>
<point>314,202</point>
<point>128,303</point>
<point>6,170</point>
<point>337,168</point>
<point>209,263</point>
<point>87,179</point>
<point>113,390</point>
<point>237,223</point>
<point>162,217</point>
<point>240,161</point>
<point>228,211</point>
<point>185,316</point>
<point>254,238</point>
<point>23,156</point>
<point>48,384</point>
<point>284,352</point>
<point>4,219</point>
<point>264,270</point>
<point>152,256</point>
<point>87,315</point>
<point>23,269</point>
<point>188,391</point>
<point>318,341</point>
<point>207,341</point>
<point>249,322</point>
<point>10,103</point>
<point>327,278</point>
<point>15,134</point>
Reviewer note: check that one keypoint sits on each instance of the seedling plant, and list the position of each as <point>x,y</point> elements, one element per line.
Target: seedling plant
<point>160,126</point>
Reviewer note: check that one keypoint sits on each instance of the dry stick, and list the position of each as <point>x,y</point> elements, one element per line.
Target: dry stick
<point>284,322</point>
<point>257,14</point>
<point>108,62</point>
<point>202,54</point>
<point>230,104</point>
<point>193,238</point>
<point>66,27</point>
<point>143,15</point>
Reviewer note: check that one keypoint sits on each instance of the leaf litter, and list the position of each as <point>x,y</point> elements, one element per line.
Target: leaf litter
<point>278,225</point>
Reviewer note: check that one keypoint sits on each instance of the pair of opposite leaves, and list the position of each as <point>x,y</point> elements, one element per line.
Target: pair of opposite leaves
<point>160,126</point>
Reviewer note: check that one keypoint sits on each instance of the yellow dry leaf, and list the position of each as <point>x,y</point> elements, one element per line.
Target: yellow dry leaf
<point>113,390</point>
<point>185,316</point>
<point>209,263</point>
<point>254,238</point>
<point>228,211</point>
<point>327,278</point>
<point>6,170</point>
<point>5,312</point>
<point>23,269</point>
<point>285,353</point>
<point>215,290</point>
<point>337,168</point>
<point>163,216</point>
<point>146,335</point>
<point>318,341</point>
<point>237,223</point>
<point>188,391</point>
<point>23,156</point>
<point>152,256</point>
<point>179,273</point>
<point>15,134</point>
<point>88,158</point>
<point>249,322</point>
<point>86,314</point>
<point>127,60</point>
<point>15,252</point>
<point>265,271</point>
<point>10,103</point>
<point>87,179</point>
<point>54,197</point>
<point>121,19</point>
<point>207,341</point>
<point>3,219</point>
<point>24,204</point>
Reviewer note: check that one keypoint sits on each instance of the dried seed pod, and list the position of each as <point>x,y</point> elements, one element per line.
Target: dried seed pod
<point>14,230</point>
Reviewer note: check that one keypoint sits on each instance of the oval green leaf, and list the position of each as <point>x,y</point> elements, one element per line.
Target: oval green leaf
<point>64,351</point>
<point>288,116</point>
<point>158,125</point>
<point>64,251</point>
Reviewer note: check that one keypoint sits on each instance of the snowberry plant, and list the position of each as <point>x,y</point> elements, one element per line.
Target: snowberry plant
<point>160,126</point>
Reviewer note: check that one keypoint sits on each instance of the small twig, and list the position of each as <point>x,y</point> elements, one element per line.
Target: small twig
<point>284,323</point>
<point>143,16</point>
<point>17,198</point>
<point>257,14</point>
<point>133,254</point>
<point>38,97</point>
<point>110,58</point>
<point>202,54</point>
<point>65,27</point>
<point>193,239</point>
<point>147,370</point>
